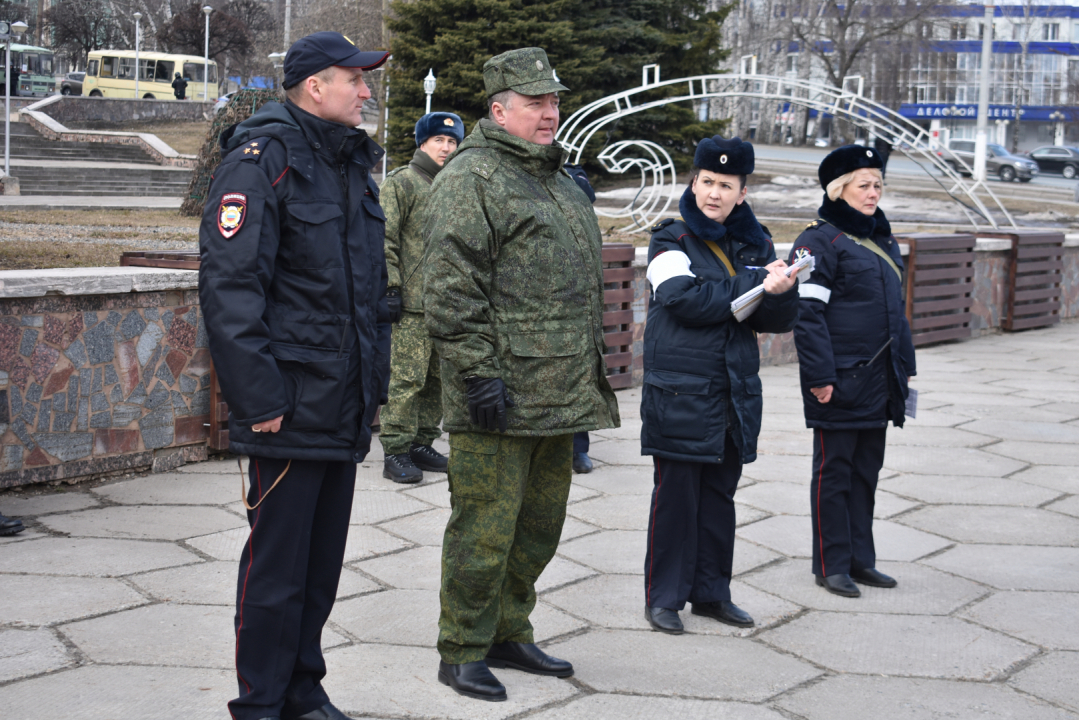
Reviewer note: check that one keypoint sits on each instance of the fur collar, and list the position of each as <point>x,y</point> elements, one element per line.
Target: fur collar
<point>852,222</point>
<point>741,223</point>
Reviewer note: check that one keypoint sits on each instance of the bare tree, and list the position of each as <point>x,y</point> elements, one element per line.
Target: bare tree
<point>80,26</point>
<point>185,33</point>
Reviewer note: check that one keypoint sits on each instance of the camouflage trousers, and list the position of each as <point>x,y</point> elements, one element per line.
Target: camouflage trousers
<point>508,498</point>
<point>414,409</point>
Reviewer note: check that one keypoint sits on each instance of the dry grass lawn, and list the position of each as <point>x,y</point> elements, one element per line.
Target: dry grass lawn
<point>24,255</point>
<point>185,138</point>
<point>107,217</point>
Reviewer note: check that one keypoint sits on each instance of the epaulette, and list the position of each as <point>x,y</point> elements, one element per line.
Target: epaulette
<point>485,165</point>
<point>813,224</point>
<point>662,224</point>
<point>252,150</point>
<point>396,171</point>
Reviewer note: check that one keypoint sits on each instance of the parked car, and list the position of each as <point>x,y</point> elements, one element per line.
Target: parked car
<point>998,161</point>
<point>72,83</point>
<point>1057,159</point>
<point>222,102</point>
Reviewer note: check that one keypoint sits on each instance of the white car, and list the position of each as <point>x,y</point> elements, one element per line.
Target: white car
<point>222,102</point>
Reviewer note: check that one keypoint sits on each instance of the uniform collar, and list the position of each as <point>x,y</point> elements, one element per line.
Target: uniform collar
<point>741,224</point>
<point>852,222</point>
<point>536,159</point>
<point>332,139</point>
<point>425,164</point>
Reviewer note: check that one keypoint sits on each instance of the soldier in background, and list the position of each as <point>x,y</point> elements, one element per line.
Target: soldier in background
<point>410,420</point>
<point>179,87</point>
<point>514,302</point>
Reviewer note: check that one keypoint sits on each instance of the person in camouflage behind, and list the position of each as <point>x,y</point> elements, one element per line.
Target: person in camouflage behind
<point>514,302</point>
<point>411,417</point>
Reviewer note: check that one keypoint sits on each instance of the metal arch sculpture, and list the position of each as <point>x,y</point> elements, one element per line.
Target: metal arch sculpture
<point>652,201</point>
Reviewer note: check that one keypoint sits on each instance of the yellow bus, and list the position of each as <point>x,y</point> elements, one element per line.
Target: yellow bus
<point>111,73</point>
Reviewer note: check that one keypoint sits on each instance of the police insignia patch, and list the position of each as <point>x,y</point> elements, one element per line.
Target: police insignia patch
<point>232,213</point>
<point>801,253</point>
<point>448,121</point>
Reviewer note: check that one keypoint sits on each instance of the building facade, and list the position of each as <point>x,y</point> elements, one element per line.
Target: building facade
<point>929,68</point>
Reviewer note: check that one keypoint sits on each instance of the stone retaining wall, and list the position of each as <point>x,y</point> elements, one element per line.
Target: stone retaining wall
<point>80,111</point>
<point>103,382</point>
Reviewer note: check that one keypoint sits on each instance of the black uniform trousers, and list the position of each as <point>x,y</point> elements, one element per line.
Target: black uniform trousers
<point>691,531</point>
<point>580,442</point>
<point>846,464</point>
<point>288,579</point>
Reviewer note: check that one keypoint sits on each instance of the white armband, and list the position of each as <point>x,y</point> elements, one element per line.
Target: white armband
<point>673,263</point>
<point>814,291</point>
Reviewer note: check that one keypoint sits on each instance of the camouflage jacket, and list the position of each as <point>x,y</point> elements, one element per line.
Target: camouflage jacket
<point>404,196</point>
<point>513,284</point>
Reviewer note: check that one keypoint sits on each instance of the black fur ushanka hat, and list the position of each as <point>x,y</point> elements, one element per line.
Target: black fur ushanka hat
<point>847,159</point>
<point>728,157</point>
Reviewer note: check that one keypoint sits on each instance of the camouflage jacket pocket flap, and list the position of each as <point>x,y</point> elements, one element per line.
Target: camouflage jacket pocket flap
<point>545,344</point>
<point>480,443</point>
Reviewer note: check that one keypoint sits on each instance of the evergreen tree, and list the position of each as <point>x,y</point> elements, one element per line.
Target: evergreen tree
<point>597,47</point>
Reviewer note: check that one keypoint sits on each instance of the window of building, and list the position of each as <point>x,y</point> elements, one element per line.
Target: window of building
<point>792,63</point>
<point>959,31</point>
<point>1051,31</point>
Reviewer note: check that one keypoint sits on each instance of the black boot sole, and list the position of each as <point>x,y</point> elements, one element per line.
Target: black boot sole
<point>502,664</point>
<point>820,581</point>
<point>475,696</point>
<point>725,621</point>
<point>872,583</point>
<point>401,480</point>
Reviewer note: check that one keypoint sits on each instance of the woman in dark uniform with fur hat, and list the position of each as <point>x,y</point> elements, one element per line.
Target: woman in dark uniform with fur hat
<point>701,403</point>
<point>855,356</point>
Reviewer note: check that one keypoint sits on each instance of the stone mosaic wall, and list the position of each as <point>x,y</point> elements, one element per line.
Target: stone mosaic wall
<point>101,383</point>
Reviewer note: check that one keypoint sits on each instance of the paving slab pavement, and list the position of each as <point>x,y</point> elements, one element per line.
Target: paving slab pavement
<point>117,602</point>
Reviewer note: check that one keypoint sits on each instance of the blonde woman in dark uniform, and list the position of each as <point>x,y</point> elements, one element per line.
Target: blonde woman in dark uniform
<point>855,356</point>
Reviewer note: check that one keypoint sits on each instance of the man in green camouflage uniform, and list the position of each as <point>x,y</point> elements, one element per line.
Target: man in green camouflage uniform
<point>514,303</point>
<point>414,408</point>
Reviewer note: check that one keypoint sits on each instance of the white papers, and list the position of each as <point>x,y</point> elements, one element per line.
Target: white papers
<point>746,304</point>
<point>911,408</point>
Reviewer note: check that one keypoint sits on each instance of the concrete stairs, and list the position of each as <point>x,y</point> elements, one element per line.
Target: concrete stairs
<point>49,167</point>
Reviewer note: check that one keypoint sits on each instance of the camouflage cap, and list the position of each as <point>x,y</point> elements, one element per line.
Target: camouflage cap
<point>526,71</point>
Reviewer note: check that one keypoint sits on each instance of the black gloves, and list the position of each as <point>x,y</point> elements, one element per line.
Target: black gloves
<point>393,304</point>
<point>487,403</point>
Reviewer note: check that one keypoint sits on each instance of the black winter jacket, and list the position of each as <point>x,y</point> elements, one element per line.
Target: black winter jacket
<point>850,308</point>
<point>700,364</point>
<point>292,279</point>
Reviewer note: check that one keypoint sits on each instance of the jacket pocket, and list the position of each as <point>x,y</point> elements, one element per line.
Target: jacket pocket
<point>315,380</point>
<point>315,236</point>
<point>473,470</point>
<point>681,404</point>
<point>862,389</point>
<point>545,370</point>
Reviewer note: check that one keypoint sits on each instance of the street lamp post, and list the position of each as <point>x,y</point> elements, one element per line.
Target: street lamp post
<point>278,61</point>
<point>206,9</point>
<point>1058,128</point>
<point>16,28</point>
<point>429,87</point>
<point>137,16</point>
<point>981,135</point>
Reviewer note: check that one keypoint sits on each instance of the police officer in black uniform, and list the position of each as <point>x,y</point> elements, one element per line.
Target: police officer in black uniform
<point>701,404</point>
<point>855,356</point>
<point>292,284</point>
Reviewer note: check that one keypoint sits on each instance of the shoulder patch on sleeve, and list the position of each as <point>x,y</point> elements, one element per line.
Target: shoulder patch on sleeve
<point>662,224</point>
